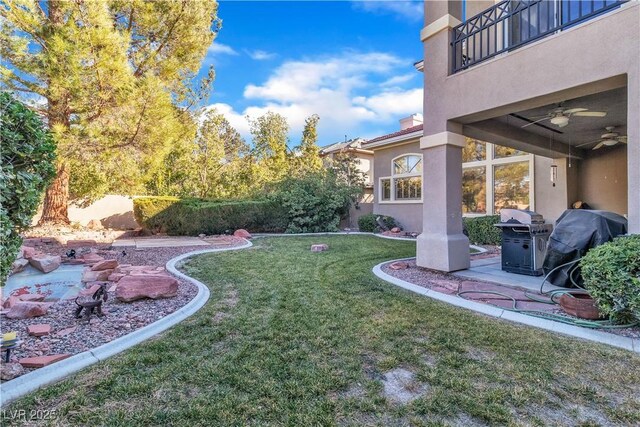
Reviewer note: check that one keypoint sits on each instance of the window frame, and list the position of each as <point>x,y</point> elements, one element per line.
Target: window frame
<point>392,179</point>
<point>489,163</point>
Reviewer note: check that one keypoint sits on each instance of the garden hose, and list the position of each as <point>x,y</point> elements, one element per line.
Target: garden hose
<point>552,295</point>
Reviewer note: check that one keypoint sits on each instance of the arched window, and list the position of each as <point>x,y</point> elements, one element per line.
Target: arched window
<point>405,182</point>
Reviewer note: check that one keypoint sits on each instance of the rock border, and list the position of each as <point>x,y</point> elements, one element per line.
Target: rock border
<point>627,343</point>
<point>12,390</point>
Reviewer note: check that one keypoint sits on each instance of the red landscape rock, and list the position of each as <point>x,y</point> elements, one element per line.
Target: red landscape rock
<point>399,265</point>
<point>241,232</point>
<point>96,276</point>
<point>31,297</point>
<point>28,252</point>
<point>45,263</point>
<point>396,230</point>
<point>19,265</point>
<point>131,288</point>
<point>39,330</point>
<point>107,264</point>
<point>25,310</point>
<point>90,290</point>
<point>319,247</point>
<point>10,302</point>
<point>91,258</point>
<point>114,277</point>
<point>42,361</point>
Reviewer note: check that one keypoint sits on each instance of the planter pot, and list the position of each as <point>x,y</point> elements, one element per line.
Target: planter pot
<point>580,305</point>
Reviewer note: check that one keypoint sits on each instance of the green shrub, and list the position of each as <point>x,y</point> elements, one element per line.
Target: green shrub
<point>369,224</point>
<point>481,230</point>
<point>191,217</point>
<point>28,156</point>
<point>611,274</point>
<point>315,202</point>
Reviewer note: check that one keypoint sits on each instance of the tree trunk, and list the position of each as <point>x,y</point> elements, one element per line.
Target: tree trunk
<point>56,199</point>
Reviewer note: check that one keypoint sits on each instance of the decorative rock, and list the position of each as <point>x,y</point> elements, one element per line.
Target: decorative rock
<point>241,232</point>
<point>42,361</point>
<point>19,265</point>
<point>31,297</point>
<point>131,288</point>
<point>114,277</point>
<point>10,302</point>
<point>45,263</point>
<point>396,230</point>
<point>94,224</point>
<point>96,276</point>
<point>399,265</point>
<point>39,330</point>
<point>90,290</point>
<point>107,264</point>
<point>9,371</point>
<point>202,236</point>
<point>25,310</point>
<point>91,258</point>
<point>319,247</point>
<point>28,252</point>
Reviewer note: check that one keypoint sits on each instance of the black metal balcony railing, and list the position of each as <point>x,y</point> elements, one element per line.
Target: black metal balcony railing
<point>511,23</point>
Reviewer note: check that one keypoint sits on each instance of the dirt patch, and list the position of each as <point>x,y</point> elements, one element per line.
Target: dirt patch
<point>400,386</point>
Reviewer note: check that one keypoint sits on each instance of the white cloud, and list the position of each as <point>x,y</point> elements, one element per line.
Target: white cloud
<point>398,80</point>
<point>404,9</point>
<point>260,55</point>
<point>341,89</point>
<point>217,48</point>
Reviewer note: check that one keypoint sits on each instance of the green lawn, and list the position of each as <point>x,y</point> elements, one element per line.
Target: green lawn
<point>296,338</point>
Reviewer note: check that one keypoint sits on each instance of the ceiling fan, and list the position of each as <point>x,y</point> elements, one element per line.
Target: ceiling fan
<point>608,139</point>
<point>560,116</point>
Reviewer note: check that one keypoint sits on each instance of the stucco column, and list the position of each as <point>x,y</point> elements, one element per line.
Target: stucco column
<point>442,245</point>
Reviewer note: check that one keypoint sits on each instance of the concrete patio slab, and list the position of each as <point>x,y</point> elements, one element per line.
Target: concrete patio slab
<point>490,270</point>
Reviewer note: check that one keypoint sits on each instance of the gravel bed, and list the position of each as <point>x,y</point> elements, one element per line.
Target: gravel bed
<point>450,284</point>
<point>72,336</point>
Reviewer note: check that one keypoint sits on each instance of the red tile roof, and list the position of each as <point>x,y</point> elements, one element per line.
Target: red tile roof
<point>395,134</point>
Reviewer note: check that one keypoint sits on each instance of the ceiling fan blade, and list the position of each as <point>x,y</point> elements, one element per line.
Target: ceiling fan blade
<point>588,143</point>
<point>622,139</point>
<point>574,110</point>
<point>533,123</point>
<point>590,114</point>
<point>598,146</point>
<point>561,125</point>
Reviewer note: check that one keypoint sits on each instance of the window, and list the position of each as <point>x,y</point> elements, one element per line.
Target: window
<point>494,178</point>
<point>385,189</point>
<point>474,190</point>
<point>405,183</point>
<point>511,186</point>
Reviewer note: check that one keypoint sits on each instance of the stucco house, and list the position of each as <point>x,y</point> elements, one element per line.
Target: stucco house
<point>494,177</point>
<point>364,159</point>
<point>558,79</point>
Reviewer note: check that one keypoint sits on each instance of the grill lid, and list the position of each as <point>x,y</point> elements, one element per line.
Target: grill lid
<point>521,216</point>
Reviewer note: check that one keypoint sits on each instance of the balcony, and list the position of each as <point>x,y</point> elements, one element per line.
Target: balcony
<point>511,24</point>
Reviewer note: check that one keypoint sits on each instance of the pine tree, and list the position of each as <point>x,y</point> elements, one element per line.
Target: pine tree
<point>108,75</point>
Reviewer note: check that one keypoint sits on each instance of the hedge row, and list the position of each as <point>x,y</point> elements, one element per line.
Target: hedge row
<point>482,231</point>
<point>190,217</point>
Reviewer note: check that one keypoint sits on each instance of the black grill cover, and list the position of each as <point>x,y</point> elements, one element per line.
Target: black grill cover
<point>576,232</point>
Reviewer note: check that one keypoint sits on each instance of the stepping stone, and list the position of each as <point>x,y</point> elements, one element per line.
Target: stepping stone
<point>39,330</point>
<point>42,361</point>
<point>319,247</point>
<point>81,243</point>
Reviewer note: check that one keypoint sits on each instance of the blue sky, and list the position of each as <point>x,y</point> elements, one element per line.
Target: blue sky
<point>349,62</point>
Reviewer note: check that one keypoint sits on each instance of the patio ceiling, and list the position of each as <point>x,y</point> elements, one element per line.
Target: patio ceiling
<point>550,140</point>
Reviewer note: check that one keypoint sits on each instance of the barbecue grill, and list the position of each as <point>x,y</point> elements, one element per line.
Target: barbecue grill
<point>524,241</point>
